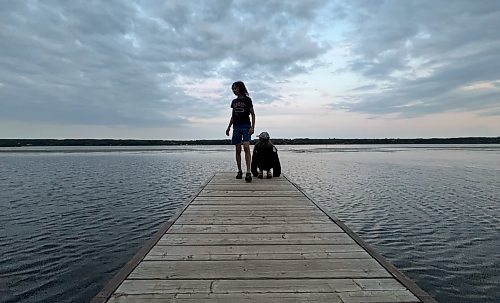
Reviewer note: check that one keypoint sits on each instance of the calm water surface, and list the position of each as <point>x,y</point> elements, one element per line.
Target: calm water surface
<point>71,217</point>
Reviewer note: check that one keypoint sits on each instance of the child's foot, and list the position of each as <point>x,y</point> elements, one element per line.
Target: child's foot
<point>239,175</point>
<point>269,175</point>
<point>248,177</point>
<point>259,175</point>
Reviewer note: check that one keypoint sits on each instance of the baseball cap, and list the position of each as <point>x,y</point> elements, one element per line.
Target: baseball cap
<point>264,135</point>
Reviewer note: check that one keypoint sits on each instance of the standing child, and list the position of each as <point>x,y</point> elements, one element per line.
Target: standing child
<point>242,108</point>
<point>265,157</point>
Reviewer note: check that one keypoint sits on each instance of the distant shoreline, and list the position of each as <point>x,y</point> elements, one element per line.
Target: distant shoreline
<point>277,141</point>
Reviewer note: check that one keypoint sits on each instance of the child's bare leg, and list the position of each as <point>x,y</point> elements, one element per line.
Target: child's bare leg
<point>248,156</point>
<point>238,156</point>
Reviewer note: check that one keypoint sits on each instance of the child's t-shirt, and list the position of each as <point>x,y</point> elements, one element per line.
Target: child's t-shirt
<point>241,110</point>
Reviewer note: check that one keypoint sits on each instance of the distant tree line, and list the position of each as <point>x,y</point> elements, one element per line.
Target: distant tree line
<point>298,141</point>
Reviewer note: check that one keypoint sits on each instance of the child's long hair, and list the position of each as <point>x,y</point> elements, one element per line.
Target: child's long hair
<point>241,86</point>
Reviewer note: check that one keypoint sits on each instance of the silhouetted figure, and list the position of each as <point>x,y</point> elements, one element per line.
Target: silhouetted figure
<point>265,157</point>
<point>241,110</point>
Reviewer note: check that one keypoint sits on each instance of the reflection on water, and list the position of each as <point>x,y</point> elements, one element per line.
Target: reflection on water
<point>72,217</point>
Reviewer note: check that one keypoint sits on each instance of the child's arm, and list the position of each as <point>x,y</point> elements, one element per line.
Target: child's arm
<point>229,126</point>
<point>252,128</point>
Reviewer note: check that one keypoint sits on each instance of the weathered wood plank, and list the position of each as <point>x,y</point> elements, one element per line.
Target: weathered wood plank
<point>248,193</point>
<point>251,220</point>
<point>256,198</point>
<point>255,239</point>
<point>263,188</point>
<point>379,284</point>
<point>260,269</point>
<point>378,296</point>
<point>137,287</point>
<point>348,290</point>
<point>277,207</point>
<point>255,213</point>
<point>301,285</point>
<point>232,177</point>
<point>230,250</point>
<point>229,298</point>
<point>212,256</point>
<point>254,201</point>
<point>257,183</point>
<point>253,228</point>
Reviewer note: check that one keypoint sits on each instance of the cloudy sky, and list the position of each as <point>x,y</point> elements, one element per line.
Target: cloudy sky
<point>318,69</point>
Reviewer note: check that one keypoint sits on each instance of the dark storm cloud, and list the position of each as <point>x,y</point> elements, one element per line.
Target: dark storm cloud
<point>428,52</point>
<point>119,62</point>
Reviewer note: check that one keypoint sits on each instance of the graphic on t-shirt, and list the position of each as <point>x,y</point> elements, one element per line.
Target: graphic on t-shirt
<point>241,110</point>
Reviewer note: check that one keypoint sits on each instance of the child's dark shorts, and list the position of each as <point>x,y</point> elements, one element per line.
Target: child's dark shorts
<point>241,134</point>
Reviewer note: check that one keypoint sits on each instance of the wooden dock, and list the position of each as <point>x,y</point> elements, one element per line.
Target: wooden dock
<point>264,241</point>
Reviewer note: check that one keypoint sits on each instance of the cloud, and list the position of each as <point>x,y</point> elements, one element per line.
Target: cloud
<point>425,53</point>
<point>368,87</point>
<point>119,62</point>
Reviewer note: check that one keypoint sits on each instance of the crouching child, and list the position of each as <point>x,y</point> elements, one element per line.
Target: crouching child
<point>265,157</point>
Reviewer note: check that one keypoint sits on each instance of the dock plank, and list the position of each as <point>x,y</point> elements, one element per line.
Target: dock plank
<point>255,213</point>
<point>274,206</point>
<point>260,269</point>
<point>251,220</point>
<point>348,290</point>
<point>264,188</point>
<point>255,239</point>
<point>137,287</point>
<point>252,200</point>
<point>255,228</point>
<point>237,252</point>
<point>229,298</point>
<point>249,193</point>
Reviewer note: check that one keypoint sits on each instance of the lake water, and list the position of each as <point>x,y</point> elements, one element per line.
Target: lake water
<point>72,217</point>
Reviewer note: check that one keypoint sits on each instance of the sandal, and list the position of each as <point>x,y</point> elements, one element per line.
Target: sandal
<point>269,175</point>
<point>248,177</point>
<point>260,175</point>
<point>239,175</point>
